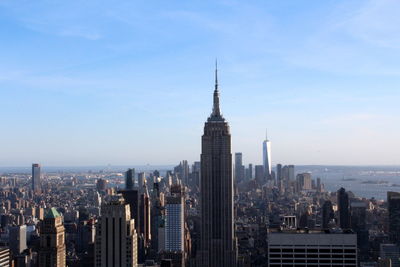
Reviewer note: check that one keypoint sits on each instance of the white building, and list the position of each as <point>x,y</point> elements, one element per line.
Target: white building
<point>116,238</point>
<point>267,157</point>
<point>313,248</point>
<point>174,223</point>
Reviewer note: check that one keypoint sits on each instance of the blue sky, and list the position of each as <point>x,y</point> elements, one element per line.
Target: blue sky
<point>130,82</point>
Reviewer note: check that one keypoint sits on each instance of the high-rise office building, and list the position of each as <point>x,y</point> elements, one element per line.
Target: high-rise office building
<point>279,175</point>
<point>129,179</point>
<point>101,185</point>
<point>36,176</point>
<point>267,157</point>
<point>393,199</point>
<point>327,214</point>
<point>358,214</point>
<point>52,240</point>
<point>304,181</point>
<point>174,222</point>
<point>132,198</point>
<point>343,208</point>
<point>239,168</point>
<point>259,174</point>
<point>17,239</point>
<point>291,172</point>
<point>157,217</point>
<point>195,175</point>
<point>218,245</point>
<point>311,248</point>
<point>182,171</point>
<point>390,252</point>
<point>116,238</point>
<point>249,172</point>
<point>144,215</point>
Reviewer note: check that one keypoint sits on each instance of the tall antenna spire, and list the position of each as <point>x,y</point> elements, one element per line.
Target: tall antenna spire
<point>266,134</point>
<point>216,75</point>
<point>216,113</point>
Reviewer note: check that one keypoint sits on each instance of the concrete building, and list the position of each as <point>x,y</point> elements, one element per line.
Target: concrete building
<point>52,240</point>
<point>311,248</point>
<point>17,239</point>
<point>116,238</point>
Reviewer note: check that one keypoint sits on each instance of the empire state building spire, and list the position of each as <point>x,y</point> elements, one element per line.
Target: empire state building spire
<point>218,242</point>
<point>216,112</point>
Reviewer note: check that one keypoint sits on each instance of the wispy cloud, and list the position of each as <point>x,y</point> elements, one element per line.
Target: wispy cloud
<point>377,22</point>
<point>354,40</point>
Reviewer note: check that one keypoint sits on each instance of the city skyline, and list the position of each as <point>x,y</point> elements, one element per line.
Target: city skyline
<point>85,94</point>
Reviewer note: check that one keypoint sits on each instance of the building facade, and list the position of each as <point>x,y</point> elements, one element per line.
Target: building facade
<point>52,240</point>
<point>17,239</point>
<point>130,179</point>
<point>174,223</point>
<point>4,257</point>
<point>343,208</point>
<point>393,199</point>
<point>116,238</point>
<point>300,248</point>
<point>239,168</point>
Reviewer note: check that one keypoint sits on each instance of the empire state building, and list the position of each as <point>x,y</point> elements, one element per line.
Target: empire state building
<point>218,242</point>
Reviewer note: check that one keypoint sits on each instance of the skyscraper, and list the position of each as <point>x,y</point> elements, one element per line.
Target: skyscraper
<point>327,214</point>
<point>218,242</point>
<point>267,156</point>
<point>144,215</point>
<point>116,238</point>
<point>239,168</point>
<point>393,199</point>
<point>129,179</point>
<point>260,174</point>
<point>343,208</point>
<point>249,172</point>
<point>52,240</point>
<point>174,223</point>
<point>36,183</point>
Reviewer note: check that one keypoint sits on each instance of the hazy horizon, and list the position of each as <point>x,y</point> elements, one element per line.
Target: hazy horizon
<point>132,81</point>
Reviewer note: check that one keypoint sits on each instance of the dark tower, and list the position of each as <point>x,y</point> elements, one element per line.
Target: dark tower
<point>36,183</point>
<point>327,214</point>
<point>129,179</point>
<point>343,208</point>
<point>218,241</point>
<point>393,199</point>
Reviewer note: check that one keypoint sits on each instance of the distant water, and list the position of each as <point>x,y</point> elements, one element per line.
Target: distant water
<point>81,169</point>
<point>367,182</point>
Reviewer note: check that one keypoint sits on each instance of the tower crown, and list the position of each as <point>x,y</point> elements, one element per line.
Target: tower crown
<point>216,112</point>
